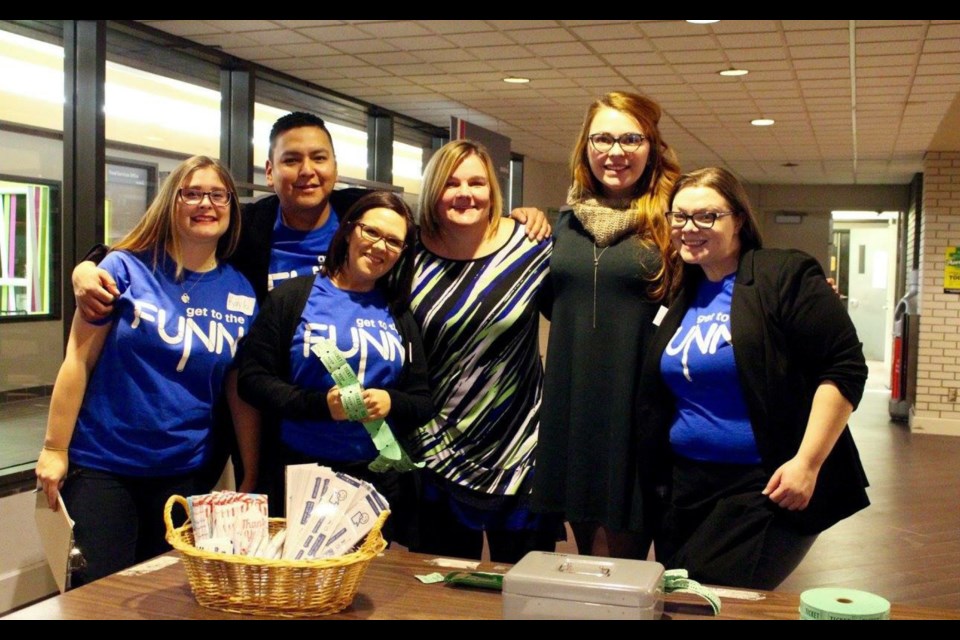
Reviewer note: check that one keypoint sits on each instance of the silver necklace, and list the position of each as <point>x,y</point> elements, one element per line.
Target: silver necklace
<point>596,267</point>
<point>185,298</point>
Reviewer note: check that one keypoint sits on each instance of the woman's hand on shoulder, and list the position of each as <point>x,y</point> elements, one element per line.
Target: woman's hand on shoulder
<point>535,221</point>
<point>791,486</point>
<point>52,468</point>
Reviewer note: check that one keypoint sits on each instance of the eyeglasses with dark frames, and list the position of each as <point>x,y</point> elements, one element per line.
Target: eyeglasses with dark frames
<point>218,197</point>
<point>701,219</point>
<point>629,142</point>
<point>373,236</point>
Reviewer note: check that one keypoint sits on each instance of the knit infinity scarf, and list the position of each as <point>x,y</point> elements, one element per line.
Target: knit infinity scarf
<point>606,219</point>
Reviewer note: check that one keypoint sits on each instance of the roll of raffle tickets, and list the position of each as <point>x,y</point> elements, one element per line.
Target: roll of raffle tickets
<point>831,603</point>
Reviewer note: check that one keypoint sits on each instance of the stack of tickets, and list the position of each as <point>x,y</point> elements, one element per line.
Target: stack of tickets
<point>328,513</point>
<point>230,522</point>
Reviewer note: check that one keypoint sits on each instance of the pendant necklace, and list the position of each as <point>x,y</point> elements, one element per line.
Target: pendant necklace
<point>596,266</point>
<point>185,298</point>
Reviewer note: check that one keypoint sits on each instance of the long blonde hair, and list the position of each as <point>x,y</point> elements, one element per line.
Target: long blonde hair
<point>651,193</point>
<point>441,166</point>
<point>156,230</point>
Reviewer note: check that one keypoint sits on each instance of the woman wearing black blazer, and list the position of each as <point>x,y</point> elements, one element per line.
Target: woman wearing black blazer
<point>745,396</point>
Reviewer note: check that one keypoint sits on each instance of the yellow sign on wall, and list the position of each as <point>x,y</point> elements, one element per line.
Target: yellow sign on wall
<point>951,271</point>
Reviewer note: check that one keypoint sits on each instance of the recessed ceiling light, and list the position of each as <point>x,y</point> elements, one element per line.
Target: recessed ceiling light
<point>731,72</point>
<point>762,122</point>
<point>702,21</point>
<point>516,80</point>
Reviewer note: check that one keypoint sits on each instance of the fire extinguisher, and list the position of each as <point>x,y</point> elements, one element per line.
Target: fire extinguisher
<point>898,374</point>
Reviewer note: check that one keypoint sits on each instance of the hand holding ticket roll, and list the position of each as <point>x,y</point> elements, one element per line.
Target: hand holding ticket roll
<point>391,454</point>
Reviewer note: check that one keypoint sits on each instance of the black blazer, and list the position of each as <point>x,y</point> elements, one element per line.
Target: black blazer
<point>790,332</point>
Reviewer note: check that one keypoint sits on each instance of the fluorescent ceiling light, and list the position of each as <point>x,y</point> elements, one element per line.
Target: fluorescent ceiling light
<point>516,80</point>
<point>732,73</point>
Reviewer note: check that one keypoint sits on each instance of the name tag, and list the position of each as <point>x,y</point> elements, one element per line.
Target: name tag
<point>240,304</point>
<point>661,313</point>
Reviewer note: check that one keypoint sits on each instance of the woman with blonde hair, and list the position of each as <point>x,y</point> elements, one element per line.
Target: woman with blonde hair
<point>131,412</point>
<point>607,280</point>
<point>476,297</point>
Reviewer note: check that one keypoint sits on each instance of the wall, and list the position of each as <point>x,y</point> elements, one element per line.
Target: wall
<point>545,184</point>
<point>816,202</point>
<point>24,574</point>
<point>939,349</point>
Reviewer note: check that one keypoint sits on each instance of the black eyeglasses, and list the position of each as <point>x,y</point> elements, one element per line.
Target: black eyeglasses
<point>218,197</point>
<point>629,142</point>
<point>701,219</point>
<point>374,236</point>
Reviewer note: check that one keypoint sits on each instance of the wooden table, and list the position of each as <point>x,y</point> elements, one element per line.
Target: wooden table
<point>389,590</point>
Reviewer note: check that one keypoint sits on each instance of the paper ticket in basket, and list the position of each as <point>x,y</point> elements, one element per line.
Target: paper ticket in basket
<point>359,520</point>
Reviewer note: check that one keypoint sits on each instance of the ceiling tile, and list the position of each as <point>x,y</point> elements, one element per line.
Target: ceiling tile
<point>432,69</point>
<point>237,26</point>
<point>394,29</point>
<point>456,26</point>
<point>558,49</point>
<point>620,46</point>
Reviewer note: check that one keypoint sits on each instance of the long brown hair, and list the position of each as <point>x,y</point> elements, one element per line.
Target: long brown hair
<point>651,192</point>
<point>156,230</point>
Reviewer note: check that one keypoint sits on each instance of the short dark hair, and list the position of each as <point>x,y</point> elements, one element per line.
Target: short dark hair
<point>295,120</point>
<point>398,282</point>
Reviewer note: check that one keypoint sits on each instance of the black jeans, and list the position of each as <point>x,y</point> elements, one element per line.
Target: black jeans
<point>119,519</point>
<point>724,531</point>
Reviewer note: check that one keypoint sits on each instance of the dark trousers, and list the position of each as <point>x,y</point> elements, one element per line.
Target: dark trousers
<point>442,534</point>
<point>119,519</point>
<point>724,531</point>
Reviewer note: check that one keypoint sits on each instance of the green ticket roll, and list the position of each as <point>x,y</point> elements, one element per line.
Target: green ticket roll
<point>392,456</point>
<point>830,603</point>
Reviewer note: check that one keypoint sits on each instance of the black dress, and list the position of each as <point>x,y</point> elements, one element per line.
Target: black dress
<point>585,465</point>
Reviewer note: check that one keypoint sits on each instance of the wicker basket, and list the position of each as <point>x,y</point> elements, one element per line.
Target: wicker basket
<point>287,588</point>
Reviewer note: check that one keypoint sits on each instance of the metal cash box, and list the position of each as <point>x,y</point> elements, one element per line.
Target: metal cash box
<point>552,586</point>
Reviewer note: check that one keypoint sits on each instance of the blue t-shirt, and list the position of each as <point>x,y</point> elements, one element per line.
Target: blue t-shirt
<point>712,422</point>
<point>365,333</point>
<point>148,406</point>
<point>298,253</point>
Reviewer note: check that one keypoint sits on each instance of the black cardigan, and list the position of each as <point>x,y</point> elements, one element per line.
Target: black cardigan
<point>789,332</point>
<point>264,362</point>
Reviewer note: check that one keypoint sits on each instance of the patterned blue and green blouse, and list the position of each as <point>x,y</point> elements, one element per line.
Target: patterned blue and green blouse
<point>479,320</point>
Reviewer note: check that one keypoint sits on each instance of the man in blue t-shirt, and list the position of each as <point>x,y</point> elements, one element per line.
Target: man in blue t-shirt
<point>284,235</point>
